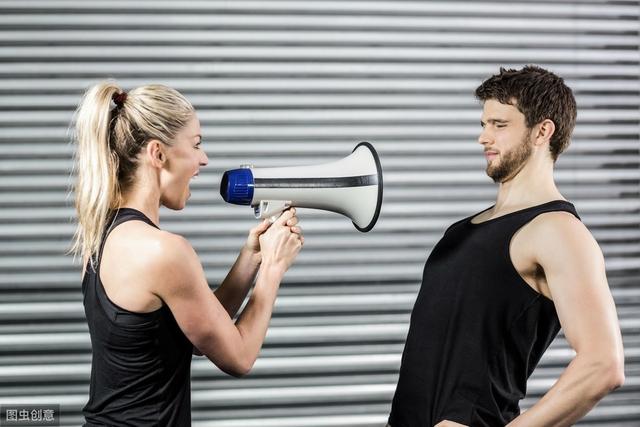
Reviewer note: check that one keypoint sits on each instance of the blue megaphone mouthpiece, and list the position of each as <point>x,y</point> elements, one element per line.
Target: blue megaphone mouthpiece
<point>237,186</point>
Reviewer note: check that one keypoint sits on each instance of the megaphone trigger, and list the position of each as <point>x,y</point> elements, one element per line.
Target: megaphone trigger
<point>270,209</point>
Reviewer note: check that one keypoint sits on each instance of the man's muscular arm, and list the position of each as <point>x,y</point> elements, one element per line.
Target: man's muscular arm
<point>575,273</point>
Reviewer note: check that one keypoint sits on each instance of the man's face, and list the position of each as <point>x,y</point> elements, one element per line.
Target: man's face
<point>506,140</point>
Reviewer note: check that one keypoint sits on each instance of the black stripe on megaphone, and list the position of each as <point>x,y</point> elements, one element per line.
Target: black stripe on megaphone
<point>333,182</point>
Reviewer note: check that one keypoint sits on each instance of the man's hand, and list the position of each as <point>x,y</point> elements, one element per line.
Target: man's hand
<point>447,423</point>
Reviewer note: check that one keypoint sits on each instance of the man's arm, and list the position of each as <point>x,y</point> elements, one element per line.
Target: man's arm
<point>575,273</point>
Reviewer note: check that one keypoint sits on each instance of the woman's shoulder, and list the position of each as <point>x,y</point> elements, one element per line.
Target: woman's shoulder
<point>152,248</point>
<point>140,262</point>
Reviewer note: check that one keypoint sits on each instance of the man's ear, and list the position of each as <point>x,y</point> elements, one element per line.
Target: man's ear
<point>155,153</point>
<point>545,131</point>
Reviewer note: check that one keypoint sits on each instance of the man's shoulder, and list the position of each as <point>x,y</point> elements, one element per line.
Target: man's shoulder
<point>556,222</point>
<point>559,234</point>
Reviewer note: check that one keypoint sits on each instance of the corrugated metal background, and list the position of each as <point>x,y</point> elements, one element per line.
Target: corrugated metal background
<point>287,83</point>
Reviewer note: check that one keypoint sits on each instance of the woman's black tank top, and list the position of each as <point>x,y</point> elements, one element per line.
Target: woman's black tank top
<point>477,329</point>
<point>140,366</point>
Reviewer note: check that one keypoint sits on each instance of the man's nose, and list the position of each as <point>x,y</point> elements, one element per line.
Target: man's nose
<point>484,137</point>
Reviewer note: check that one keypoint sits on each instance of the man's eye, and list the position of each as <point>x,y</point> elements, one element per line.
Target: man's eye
<point>500,126</point>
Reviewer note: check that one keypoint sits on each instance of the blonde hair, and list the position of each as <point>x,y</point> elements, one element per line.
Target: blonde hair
<point>109,140</point>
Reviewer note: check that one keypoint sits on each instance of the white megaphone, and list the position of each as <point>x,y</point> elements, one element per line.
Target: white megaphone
<point>351,186</point>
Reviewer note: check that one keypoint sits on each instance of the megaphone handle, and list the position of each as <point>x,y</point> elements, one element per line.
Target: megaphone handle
<point>271,209</point>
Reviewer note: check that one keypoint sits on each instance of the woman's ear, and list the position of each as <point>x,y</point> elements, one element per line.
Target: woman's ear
<point>155,153</point>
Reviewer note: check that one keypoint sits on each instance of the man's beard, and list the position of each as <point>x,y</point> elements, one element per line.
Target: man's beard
<point>510,162</point>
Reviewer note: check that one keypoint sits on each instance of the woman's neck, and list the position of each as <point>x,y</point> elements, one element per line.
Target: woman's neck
<point>144,200</point>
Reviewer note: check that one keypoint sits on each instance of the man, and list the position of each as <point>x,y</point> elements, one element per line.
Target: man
<point>499,285</point>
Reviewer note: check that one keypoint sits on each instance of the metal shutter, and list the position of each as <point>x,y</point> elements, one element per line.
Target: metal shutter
<point>288,83</point>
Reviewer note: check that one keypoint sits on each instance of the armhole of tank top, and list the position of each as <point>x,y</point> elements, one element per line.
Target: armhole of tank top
<point>507,250</point>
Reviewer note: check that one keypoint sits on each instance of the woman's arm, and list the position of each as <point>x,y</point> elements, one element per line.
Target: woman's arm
<point>235,287</point>
<point>200,315</point>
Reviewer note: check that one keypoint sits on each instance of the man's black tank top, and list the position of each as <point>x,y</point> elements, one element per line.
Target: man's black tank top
<point>140,366</point>
<point>477,329</point>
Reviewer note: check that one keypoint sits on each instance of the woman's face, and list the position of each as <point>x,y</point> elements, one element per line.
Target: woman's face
<point>184,159</point>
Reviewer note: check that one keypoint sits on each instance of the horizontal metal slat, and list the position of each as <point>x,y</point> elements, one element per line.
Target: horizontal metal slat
<point>338,22</point>
<point>623,8</point>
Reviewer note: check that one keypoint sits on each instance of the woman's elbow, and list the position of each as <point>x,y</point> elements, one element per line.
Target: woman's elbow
<point>610,375</point>
<point>238,371</point>
<point>238,367</point>
<point>615,377</point>
<point>616,370</point>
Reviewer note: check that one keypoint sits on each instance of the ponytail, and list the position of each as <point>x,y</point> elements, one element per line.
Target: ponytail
<point>96,190</point>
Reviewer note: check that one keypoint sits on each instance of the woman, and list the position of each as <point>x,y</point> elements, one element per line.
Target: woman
<point>146,298</point>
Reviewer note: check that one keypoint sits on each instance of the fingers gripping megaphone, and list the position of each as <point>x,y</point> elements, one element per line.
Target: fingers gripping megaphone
<point>351,186</point>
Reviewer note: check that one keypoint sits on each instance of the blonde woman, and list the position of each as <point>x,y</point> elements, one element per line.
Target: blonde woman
<point>146,298</point>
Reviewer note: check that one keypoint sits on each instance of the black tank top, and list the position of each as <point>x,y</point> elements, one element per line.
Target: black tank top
<point>140,366</point>
<point>477,329</point>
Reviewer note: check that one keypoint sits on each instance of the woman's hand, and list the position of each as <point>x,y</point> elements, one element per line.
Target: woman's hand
<point>253,240</point>
<point>281,242</point>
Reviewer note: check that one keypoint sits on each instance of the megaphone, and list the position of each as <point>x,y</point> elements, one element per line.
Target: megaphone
<point>351,186</point>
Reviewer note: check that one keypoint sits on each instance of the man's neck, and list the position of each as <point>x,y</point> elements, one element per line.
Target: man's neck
<point>531,186</point>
